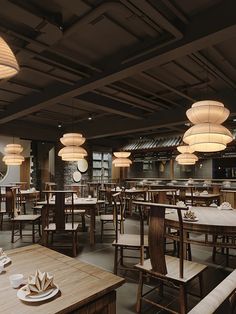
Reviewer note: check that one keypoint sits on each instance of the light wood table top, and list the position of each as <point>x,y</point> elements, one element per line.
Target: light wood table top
<point>79,282</point>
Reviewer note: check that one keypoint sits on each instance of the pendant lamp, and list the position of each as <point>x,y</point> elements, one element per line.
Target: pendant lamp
<point>72,150</point>
<point>207,134</point>
<point>122,159</point>
<point>8,64</point>
<point>208,137</point>
<point>13,155</point>
<point>186,157</point>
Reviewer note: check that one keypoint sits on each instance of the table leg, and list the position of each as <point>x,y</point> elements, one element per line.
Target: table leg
<point>92,225</point>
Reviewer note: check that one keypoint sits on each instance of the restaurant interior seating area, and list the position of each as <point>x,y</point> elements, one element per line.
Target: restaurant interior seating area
<point>118,156</point>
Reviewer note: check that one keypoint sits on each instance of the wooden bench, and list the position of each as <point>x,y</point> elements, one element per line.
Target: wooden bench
<point>225,290</point>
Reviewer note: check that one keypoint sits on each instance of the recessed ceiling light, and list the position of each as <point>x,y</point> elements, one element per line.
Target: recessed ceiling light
<point>59,125</point>
<point>234,119</point>
<point>90,118</point>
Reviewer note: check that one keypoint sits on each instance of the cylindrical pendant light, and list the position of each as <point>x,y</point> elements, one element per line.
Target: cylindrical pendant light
<point>72,150</point>
<point>13,155</point>
<point>122,159</point>
<point>8,64</point>
<point>207,137</point>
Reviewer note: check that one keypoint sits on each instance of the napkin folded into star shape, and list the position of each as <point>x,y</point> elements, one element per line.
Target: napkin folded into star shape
<point>38,283</point>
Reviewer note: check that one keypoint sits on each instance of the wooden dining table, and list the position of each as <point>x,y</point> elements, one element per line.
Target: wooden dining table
<point>89,204</point>
<point>84,288</point>
<point>211,222</point>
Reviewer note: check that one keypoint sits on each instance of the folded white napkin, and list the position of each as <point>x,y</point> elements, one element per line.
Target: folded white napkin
<point>225,205</point>
<point>39,283</point>
<point>3,255</point>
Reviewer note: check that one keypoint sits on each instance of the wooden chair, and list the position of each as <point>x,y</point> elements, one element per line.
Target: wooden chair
<point>166,269</point>
<point>124,241</point>
<point>19,219</point>
<point>55,222</point>
<point>110,214</point>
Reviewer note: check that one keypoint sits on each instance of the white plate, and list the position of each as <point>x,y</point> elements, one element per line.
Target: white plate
<point>21,294</point>
<point>6,261</point>
<point>189,219</point>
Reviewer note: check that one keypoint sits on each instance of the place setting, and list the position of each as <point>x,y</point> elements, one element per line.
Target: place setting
<point>4,260</point>
<point>40,287</point>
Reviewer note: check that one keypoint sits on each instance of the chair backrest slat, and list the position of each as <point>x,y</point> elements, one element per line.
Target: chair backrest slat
<point>157,234</point>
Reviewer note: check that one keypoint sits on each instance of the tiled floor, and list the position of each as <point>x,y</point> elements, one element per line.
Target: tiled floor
<point>102,255</point>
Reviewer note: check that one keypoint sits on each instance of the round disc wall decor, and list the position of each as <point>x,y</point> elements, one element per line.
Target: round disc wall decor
<point>77,176</point>
<point>82,165</point>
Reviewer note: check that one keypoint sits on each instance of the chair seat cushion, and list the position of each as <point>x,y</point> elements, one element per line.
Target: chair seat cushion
<point>191,269</point>
<point>68,227</point>
<point>26,218</point>
<point>108,217</point>
<point>132,240</point>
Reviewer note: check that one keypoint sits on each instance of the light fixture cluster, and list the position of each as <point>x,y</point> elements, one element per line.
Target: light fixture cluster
<point>207,134</point>
<point>72,150</point>
<point>13,155</point>
<point>122,159</point>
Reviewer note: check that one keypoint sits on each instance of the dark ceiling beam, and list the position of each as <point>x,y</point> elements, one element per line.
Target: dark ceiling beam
<point>199,34</point>
<point>155,121</point>
<point>155,80</point>
<point>24,130</point>
<point>110,105</point>
<point>112,127</point>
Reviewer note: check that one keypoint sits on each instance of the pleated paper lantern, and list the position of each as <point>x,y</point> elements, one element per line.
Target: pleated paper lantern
<point>122,159</point>
<point>186,157</point>
<point>72,150</point>
<point>207,137</point>
<point>8,64</point>
<point>13,155</point>
<point>207,111</point>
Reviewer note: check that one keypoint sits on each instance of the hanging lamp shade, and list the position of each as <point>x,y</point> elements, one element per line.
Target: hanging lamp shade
<point>72,139</point>
<point>207,137</point>
<point>13,155</point>
<point>122,162</point>
<point>72,150</point>
<point>72,153</point>
<point>185,149</point>
<point>8,64</point>
<point>122,154</point>
<point>186,159</point>
<point>209,111</point>
<point>122,159</point>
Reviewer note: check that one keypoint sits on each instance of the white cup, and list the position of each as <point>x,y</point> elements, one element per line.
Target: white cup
<point>1,267</point>
<point>16,280</point>
<point>90,196</point>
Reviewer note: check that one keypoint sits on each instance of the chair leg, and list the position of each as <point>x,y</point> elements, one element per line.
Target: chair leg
<point>182,299</point>
<point>39,227</point>
<point>116,260</point>
<point>12,232</point>
<point>121,256</point>
<point>33,232</point>
<point>74,243</point>
<point>201,285</point>
<point>139,293</point>
<point>83,223</point>
<point>102,227</point>
<point>20,228</point>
